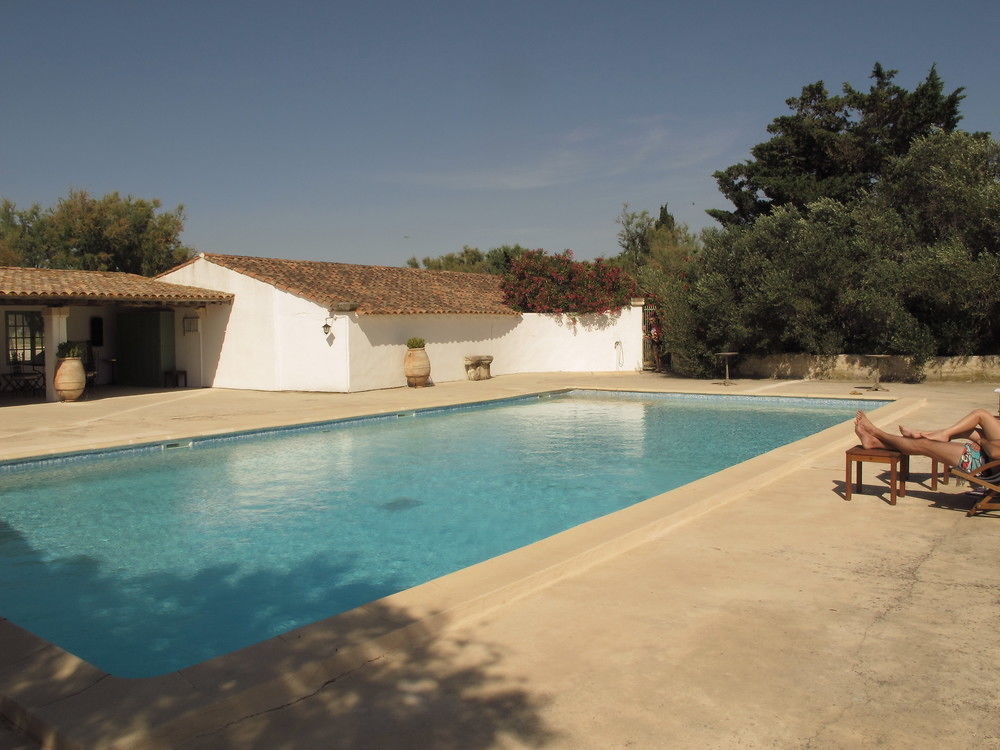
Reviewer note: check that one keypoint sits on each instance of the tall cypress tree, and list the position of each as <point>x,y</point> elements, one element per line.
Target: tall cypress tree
<point>834,146</point>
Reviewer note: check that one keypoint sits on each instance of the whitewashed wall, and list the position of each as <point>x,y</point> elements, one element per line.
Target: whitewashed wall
<point>272,340</point>
<point>267,340</point>
<point>531,342</point>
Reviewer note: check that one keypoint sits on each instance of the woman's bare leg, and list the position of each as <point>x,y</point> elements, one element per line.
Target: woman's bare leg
<point>964,428</point>
<point>872,437</point>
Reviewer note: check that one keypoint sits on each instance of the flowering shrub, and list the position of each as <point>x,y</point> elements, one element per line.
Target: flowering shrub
<point>542,283</point>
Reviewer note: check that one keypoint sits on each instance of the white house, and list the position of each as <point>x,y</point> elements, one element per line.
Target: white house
<point>317,326</point>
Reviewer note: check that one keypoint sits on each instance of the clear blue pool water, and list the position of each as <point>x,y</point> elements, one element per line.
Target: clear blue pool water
<point>146,562</point>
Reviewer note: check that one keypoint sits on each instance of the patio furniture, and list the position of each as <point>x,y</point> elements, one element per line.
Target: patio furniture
<point>24,377</point>
<point>945,471</point>
<point>899,469</point>
<point>173,378</point>
<point>22,382</point>
<point>986,477</point>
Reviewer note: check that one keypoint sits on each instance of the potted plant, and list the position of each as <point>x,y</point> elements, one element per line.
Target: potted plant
<point>416,364</point>
<point>70,379</point>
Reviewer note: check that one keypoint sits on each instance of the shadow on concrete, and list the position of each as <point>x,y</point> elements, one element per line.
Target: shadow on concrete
<point>433,690</point>
<point>93,393</point>
<point>918,487</point>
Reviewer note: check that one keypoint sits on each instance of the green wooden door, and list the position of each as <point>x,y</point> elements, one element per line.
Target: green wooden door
<point>145,346</point>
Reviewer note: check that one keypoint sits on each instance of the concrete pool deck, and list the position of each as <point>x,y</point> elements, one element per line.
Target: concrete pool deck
<point>752,608</point>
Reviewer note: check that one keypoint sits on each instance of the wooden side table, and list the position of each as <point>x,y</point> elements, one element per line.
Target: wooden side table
<point>945,473</point>
<point>899,469</point>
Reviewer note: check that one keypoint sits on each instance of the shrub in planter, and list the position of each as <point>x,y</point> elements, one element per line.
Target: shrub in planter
<point>416,363</point>
<point>70,378</point>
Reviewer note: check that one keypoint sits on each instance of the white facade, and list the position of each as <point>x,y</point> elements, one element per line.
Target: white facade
<point>272,340</point>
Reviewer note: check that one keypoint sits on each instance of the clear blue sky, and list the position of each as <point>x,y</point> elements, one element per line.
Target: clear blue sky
<point>370,132</point>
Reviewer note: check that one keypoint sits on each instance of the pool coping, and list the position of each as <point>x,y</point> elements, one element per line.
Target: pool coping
<point>65,702</point>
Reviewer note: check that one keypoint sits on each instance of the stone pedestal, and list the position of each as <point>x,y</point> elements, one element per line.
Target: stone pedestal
<point>477,366</point>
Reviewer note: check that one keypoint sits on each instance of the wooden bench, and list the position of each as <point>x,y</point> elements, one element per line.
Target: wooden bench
<point>899,469</point>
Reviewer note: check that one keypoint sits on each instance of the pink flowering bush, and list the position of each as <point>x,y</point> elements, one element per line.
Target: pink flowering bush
<point>542,283</point>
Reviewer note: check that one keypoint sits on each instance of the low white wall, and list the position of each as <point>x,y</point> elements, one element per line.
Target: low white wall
<point>532,342</point>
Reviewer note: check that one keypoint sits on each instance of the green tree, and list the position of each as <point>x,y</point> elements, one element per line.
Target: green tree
<point>908,267</point>
<point>472,259</point>
<point>834,146</point>
<point>98,234</point>
<point>633,238</point>
<point>665,278</point>
<point>21,235</point>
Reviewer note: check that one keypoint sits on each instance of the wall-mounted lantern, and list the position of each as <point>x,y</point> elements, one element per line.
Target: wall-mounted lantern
<point>326,327</point>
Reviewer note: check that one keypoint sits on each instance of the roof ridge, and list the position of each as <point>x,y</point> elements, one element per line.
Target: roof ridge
<point>373,289</point>
<point>209,256</point>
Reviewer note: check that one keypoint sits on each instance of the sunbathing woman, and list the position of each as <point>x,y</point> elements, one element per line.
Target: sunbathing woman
<point>936,443</point>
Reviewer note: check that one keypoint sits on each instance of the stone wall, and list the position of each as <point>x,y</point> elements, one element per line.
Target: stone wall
<point>856,367</point>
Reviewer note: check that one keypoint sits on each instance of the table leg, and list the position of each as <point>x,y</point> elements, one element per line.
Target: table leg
<point>847,481</point>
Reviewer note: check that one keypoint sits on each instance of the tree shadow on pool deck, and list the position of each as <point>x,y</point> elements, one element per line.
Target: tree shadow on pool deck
<point>436,691</point>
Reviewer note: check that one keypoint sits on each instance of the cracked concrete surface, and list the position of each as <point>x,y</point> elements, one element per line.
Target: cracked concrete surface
<point>787,618</point>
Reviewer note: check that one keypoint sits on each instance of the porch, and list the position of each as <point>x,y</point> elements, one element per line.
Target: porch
<point>135,331</point>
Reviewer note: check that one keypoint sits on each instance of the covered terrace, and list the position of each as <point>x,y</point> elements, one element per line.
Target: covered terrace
<point>129,325</point>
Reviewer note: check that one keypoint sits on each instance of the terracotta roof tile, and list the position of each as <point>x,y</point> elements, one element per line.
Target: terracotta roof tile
<point>50,284</point>
<point>376,290</point>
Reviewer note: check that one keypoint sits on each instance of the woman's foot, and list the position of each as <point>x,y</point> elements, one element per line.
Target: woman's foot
<point>863,429</point>
<point>941,435</point>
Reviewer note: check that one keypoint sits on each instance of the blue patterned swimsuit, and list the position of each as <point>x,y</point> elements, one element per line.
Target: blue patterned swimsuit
<point>972,459</point>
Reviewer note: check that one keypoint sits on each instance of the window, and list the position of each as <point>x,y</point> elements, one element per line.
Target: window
<point>24,337</point>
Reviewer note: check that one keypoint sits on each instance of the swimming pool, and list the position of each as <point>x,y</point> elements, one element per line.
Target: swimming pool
<point>144,562</point>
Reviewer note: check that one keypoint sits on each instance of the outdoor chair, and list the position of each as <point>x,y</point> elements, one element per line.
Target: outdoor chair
<point>986,477</point>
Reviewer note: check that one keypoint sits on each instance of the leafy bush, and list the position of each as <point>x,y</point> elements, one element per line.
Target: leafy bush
<point>70,349</point>
<point>908,267</point>
<point>415,343</point>
<point>542,283</point>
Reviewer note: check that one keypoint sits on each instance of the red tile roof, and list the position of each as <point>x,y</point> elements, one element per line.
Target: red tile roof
<point>376,290</point>
<point>46,285</point>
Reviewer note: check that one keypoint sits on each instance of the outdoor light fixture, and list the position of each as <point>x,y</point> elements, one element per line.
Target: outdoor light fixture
<point>326,327</point>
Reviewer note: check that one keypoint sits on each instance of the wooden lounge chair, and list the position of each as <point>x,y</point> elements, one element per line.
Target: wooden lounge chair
<point>987,477</point>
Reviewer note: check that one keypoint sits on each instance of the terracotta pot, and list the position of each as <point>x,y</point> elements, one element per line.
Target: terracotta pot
<point>416,368</point>
<point>70,379</point>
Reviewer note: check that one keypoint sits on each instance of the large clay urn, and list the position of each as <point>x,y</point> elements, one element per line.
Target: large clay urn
<point>416,367</point>
<point>70,379</point>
